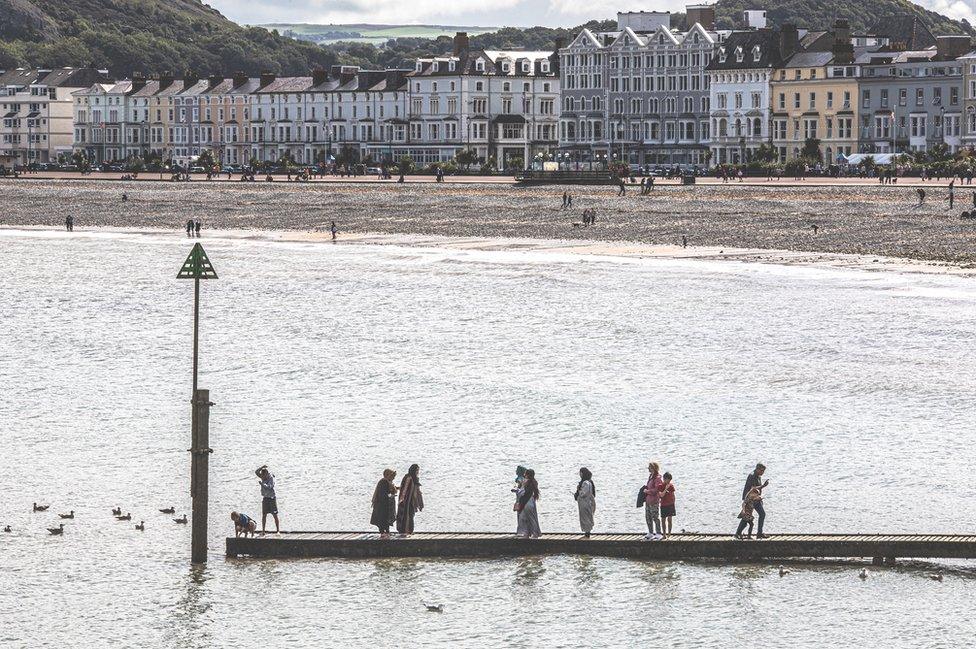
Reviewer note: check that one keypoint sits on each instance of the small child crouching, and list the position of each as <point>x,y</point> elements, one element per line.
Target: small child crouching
<point>243,524</point>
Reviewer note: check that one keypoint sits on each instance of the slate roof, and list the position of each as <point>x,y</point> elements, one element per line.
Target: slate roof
<point>769,51</point>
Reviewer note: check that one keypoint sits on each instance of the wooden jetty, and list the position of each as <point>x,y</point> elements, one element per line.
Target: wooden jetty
<point>689,547</point>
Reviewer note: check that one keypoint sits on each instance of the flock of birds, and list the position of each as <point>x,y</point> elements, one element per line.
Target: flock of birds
<point>116,511</point>
<point>934,576</point>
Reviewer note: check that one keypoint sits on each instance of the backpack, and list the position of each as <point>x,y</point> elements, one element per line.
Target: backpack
<point>641,496</point>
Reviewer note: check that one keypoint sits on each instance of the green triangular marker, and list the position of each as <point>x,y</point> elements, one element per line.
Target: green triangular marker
<point>197,265</point>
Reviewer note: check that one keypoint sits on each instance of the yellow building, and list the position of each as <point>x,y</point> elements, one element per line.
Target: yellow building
<point>815,99</point>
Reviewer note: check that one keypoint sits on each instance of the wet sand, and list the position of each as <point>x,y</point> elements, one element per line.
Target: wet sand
<point>764,223</point>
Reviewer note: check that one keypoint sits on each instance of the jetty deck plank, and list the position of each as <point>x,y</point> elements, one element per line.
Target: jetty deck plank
<point>689,546</point>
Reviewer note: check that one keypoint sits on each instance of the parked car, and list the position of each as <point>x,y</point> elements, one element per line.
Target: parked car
<point>373,170</point>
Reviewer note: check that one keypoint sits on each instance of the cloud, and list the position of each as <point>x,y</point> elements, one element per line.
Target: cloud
<point>957,9</point>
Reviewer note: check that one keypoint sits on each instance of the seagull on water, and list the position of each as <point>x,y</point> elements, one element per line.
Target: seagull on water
<point>168,510</point>
<point>117,511</point>
<point>69,515</point>
<point>56,531</point>
<point>936,576</point>
<point>180,521</point>
<point>863,574</point>
<point>141,526</point>
<point>127,517</point>
<point>40,508</point>
<point>783,571</point>
<point>434,608</point>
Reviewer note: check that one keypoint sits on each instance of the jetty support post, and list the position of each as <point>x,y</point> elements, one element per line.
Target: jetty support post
<point>200,474</point>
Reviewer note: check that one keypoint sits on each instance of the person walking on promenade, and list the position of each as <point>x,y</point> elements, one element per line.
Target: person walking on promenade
<point>586,501</point>
<point>411,500</point>
<point>334,230</point>
<point>189,227</point>
<point>269,497</point>
<point>622,190</point>
<point>755,481</point>
<point>751,498</point>
<point>667,504</point>
<point>565,201</point>
<point>528,513</point>
<point>652,502</point>
<point>196,228</point>
<point>384,503</point>
<point>569,200</point>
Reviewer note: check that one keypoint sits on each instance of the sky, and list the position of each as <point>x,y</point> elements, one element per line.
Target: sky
<point>496,13</point>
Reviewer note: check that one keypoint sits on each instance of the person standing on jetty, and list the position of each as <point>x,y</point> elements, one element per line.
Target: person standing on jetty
<point>586,501</point>
<point>667,504</point>
<point>269,497</point>
<point>411,500</point>
<point>196,228</point>
<point>384,503</point>
<point>189,227</point>
<point>652,502</point>
<point>528,513</point>
<point>755,481</point>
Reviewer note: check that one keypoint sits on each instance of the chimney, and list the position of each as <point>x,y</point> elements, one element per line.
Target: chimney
<point>335,71</point>
<point>213,81</point>
<point>789,40</point>
<point>319,76</point>
<point>239,79</point>
<point>702,14</point>
<point>165,81</point>
<point>394,79</point>
<point>461,43</point>
<point>138,82</point>
<point>190,79</point>
<point>949,48</point>
<point>267,78</point>
<point>843,49</point>
<point>347,73</point>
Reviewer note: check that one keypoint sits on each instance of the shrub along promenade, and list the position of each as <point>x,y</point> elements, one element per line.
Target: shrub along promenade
<point>866,219</point>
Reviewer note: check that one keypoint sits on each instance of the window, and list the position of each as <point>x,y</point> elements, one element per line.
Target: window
<point>920,96</point>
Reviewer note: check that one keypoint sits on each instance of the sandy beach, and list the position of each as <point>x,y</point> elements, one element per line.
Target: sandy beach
<point>846,225</point>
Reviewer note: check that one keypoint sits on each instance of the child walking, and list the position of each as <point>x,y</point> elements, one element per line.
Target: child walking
<point>753,496</point>
<point>667,504</point>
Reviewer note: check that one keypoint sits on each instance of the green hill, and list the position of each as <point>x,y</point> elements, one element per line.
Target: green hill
<point>151,36</point>
<point>818,14</point>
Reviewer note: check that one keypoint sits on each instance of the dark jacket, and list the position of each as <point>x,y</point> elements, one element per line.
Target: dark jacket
<point>752,481</point>
<point>384,504</point>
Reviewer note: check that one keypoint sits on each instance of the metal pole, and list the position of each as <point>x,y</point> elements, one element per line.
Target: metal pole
<point>199,474</point>
<point>196,328</point>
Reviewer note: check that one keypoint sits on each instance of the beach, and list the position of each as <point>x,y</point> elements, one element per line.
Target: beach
<point>794,222</point>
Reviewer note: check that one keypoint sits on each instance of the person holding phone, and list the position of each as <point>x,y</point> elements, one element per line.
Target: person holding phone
<point>755,481</point>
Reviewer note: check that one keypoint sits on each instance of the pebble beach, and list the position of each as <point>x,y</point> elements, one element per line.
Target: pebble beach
<point>865,220</point>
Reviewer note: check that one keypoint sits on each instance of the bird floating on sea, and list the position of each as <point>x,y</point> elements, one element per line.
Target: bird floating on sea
<point>117,511</point>
<point>863,574</point>
<point>69,515</point>
<point>783,571</point>
<point>40,508</point>
<point>181,521</point>
<point>127,517</point>
<point>141,526</point>
<point>7,529</point>
<point>168,510</point>
<point>56,531</point>
<point>936,576</point>
<point>434,608</point>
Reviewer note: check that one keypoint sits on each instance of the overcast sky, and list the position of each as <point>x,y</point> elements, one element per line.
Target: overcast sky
<point>500,13</point>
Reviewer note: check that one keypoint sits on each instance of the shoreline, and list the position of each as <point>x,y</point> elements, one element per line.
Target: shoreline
<point>594,250</point>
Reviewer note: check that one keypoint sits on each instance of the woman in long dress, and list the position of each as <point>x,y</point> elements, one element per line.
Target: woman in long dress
<point>528,518</point>
<point>384,503</point>
<point>586,501</point>
<point>411,500</point>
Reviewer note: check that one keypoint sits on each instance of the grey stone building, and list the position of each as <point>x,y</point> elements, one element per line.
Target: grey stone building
<point>911,101</point>
<point>640,94</point>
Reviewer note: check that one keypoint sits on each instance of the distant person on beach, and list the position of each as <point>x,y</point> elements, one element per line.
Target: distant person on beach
<point>952,194</point>
<point>125,197</point>
<point>565,200</point>
<point>69,223</point>
<point>569,200</point>
<point>622,187</point>
<point>411,500</point>
<point>189,227</point>
<point>196,228</point>
<point>652,501</point>
<point>384,503</point>
<point>754,481</point>
<point>586,501</point>
<point>684,241</point>
<point>751,498</point>
<point>921,196</point>
<point>528,513</point>
<point>334,230</point>
<point>243,524</point>
<point>269,497</point>
<point>667,504</point>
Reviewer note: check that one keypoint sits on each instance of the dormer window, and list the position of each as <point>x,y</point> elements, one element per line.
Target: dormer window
<point>722,55</point>
<point>420,66</point>
<point>480,65</point>
<point>451,66</point>
<point>739,54</point>
<point>545,66</point>
<point>660,39</point>
<point>525,66</point>
<point>756,54</point>
<point>436,66</point>
<point>505,67</point>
